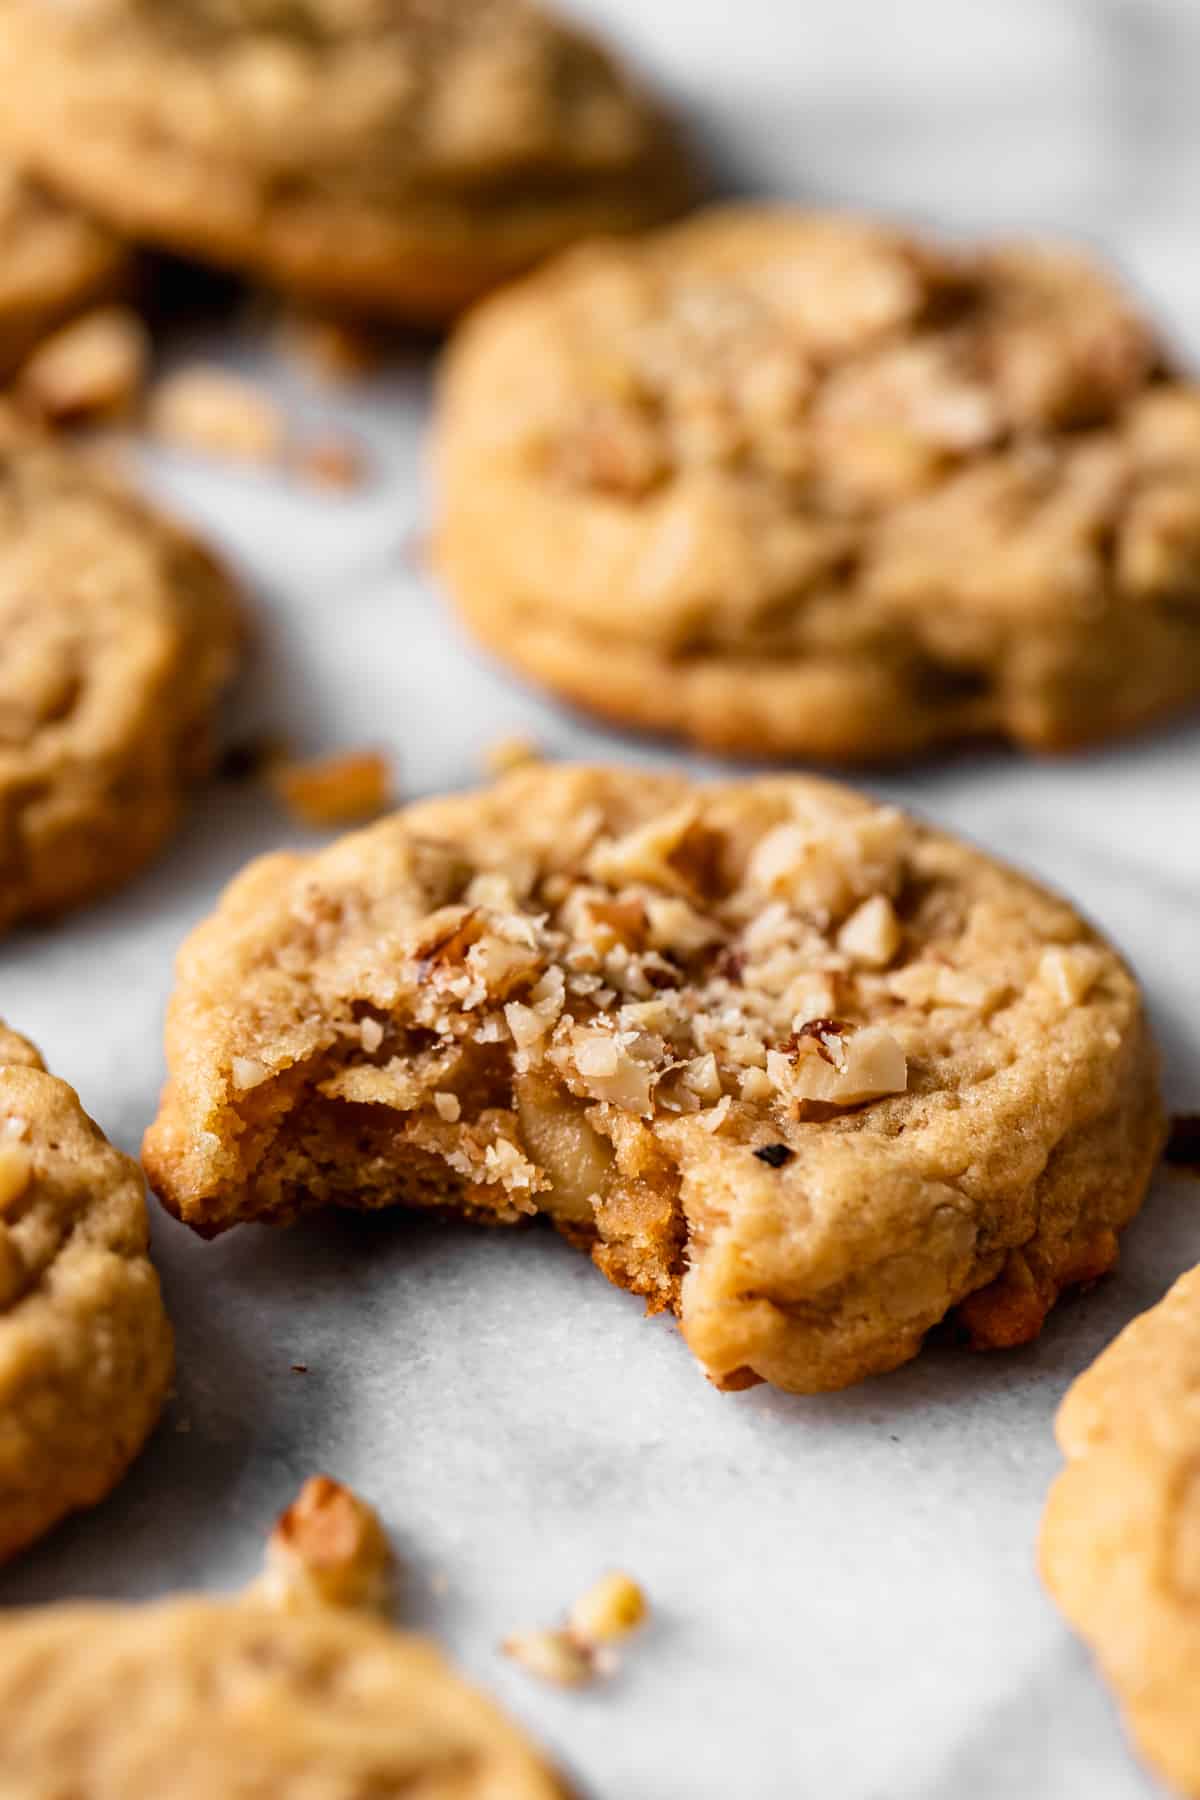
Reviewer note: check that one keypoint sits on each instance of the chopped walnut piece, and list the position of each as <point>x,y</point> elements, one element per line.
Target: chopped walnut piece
<point>871,935</point>
<point>554,1656</point>
<point>609,1610</point>
<point>16,1172</point>
<point>217,413</point>
<point>839,1064</point>
<point>327,1549</point>
<point>1070,971</point>
<point>342,789</point>
<point>93,368</point>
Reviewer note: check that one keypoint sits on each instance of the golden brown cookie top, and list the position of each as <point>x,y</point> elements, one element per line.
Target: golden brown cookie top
<point>371,95</point>
<point>766,433</point>
<point>584,983</point>
<point>848,362</point>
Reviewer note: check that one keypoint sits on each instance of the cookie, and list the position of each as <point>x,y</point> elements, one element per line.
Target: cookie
<point>1120,1543</point>
<point>801,1070</point>
<point>801,485</point>
<point>117,633</point>
<point>391,157</point>
<point>85,1346</point>
<point>247,1697</point>
<point>54,261</point>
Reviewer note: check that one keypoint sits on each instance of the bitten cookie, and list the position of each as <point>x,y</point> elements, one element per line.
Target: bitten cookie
<point>117,633</point>
<point>1120,1544</point>
<point>289,1693</point>
<point>85,1346</point>
<point>796,1067</point>
<point>54,261</point>
<point>800,484</point>
<point>395,158</point>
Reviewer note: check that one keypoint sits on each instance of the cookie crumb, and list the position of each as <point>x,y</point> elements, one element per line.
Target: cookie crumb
<point>299,1368</point>
<point>217,413</point>
<point>514,752</point>
<point>93,368</point>
<point>552,1655</point>
<point>612,1608</point>
<point>327,1549</point>
<point>344,789</point>
<point>330,462</point>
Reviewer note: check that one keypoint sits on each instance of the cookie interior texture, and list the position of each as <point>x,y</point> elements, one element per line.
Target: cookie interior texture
<point>54,261</point>
<point>398,155</point>
<point>787,1063</point>
<point>1120,1543</point>
<point>199,1698</point>
<point>85,1345</point>
<point>801,483</point>
<point>117,634</point>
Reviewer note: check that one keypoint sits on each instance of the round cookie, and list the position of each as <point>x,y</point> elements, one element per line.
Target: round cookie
<point>54,261</point>
<point>290,1691</point>
<point>1120,1542</point>
<point>391,157</point>
<point>800,484</point>
<point>792,1065</point>
<point>85,1345</point>
<point>117,634</point>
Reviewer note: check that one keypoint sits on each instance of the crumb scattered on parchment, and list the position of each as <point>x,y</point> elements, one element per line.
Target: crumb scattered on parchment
<point>328,1549</point>
<point>346,788</point>
<point>92,369</point>
<point>512,752</point>
<point>217,413</point>
<point>329,462</point>
<point>1183,1143</point>
<point>576,1653</point>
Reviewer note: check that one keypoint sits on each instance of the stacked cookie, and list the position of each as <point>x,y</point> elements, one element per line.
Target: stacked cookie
<point>796,1068</point>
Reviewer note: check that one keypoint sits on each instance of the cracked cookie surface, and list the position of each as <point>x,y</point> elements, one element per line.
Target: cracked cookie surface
<point>396,155</point>
<point>793,483</point>
<point>789,1064</point>
<point>54,261</point>
<point>117,634</point>
<point>1120,1542</point>
<point>85,1345</point>
<point>291,1693</point>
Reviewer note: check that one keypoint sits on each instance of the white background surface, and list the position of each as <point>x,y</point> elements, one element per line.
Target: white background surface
<point>845,1599</point>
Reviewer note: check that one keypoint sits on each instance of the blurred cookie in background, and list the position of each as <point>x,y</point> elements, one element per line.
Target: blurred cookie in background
<point>118,632</point>
<point>801,484</point>
<point>395,158</point>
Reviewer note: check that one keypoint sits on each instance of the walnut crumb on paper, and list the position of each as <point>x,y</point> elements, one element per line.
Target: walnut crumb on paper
<point>346,788</point>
